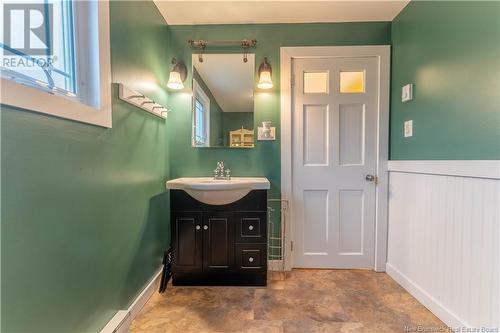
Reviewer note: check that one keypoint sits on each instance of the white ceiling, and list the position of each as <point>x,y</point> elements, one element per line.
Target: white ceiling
<point>257,11</point>
<point>229,79</point>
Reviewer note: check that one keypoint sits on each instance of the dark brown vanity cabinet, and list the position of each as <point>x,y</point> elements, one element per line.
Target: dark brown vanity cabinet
<point>219,245</point>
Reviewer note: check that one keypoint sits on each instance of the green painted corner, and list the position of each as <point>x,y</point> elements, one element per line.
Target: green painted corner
<point>450,51</point>
<point>84,209</point>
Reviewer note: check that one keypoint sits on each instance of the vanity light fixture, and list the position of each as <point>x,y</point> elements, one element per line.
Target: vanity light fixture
<point>265,72</point>
<point>177,75</point>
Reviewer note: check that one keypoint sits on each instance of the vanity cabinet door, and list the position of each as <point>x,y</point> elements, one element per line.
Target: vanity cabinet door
<point>251,257</point>
<point>218,242</point>
<point>251,227</point>
<point>187,241</point>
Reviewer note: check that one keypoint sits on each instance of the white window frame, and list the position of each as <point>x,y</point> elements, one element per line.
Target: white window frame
<point>93,64</point>
<point>199,93</point>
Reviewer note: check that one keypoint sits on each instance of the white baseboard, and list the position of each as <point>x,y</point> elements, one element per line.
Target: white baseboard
<point>425,298</point>
<point>121,321</point>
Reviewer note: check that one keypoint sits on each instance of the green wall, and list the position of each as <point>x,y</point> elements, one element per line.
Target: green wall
<point>264,159</point>
<point>450,51</point>
<point>84,214</point>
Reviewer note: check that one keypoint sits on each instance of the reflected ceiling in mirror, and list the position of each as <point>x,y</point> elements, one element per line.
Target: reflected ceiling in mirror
<point>223,101</point>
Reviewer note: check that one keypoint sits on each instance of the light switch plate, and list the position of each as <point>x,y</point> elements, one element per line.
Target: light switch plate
<point>408,128</point>
<point>407,93</point>
<point>262,137</point>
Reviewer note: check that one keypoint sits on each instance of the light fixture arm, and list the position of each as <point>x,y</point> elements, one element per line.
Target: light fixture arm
<point>179,67</point>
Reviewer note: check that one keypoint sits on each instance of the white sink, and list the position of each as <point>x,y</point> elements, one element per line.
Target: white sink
<point>218,192</point>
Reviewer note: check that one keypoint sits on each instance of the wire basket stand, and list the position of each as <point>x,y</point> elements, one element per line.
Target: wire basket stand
<point>276,235</point>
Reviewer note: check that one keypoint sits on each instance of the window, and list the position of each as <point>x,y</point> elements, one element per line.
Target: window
<point>352,82</point>
<point>201,117</point>
<point>55,58</point>
<point>315,82</point>
<point>54,70</point>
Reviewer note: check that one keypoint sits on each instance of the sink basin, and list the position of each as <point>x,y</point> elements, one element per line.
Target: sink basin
<point>218,192</point>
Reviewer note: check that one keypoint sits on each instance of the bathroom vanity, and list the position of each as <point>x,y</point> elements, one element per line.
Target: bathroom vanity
<point>219,231</point>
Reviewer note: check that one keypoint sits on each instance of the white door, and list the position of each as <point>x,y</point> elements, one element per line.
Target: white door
<point>334,157</point>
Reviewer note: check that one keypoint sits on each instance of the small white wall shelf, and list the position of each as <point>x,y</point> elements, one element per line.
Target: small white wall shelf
<point>139,100</point>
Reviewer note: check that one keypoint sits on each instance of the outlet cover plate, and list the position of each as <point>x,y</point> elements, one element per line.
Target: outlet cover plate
<point>408,128</point>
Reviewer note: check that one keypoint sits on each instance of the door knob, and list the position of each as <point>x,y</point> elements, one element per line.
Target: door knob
<point>371,178</point>
<point>250,259</point>
<point>205,227</point>
<point>198,227</point>
<point>250,227</point>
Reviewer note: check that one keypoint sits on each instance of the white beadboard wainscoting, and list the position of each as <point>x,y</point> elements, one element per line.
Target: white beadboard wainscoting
<point>444,235</point>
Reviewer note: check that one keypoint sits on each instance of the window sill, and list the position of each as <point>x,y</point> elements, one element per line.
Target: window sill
<point>33,99</point>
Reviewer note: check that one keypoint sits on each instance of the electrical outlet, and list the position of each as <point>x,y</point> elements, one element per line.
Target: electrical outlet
<point>408,128</point>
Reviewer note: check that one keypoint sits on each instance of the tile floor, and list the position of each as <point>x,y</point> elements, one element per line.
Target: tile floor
<point>306,301</point>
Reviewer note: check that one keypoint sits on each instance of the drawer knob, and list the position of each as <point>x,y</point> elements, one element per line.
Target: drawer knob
<point>198,227</point>
<point>250,227</point>
<point>250,259</point>
<point>205,227</point>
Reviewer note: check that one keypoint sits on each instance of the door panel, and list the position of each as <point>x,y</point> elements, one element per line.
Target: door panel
<point>350,221</point>
<point>315,241</point>
<point>351,132</point>
<point>218,241</point>
<point>334,137</point>
<point>187,243</point>
<point>315,135</point>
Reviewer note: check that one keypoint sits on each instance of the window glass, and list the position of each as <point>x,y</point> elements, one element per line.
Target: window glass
<point>352,82</point>
<point>44,57</point>
<point>200,137</point>
<point>315,82</point>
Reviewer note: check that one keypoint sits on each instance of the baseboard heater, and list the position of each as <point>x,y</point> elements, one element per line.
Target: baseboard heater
<point>121,321</point>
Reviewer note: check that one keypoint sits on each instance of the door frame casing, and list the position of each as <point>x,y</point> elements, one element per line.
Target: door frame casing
<point>382,52</point>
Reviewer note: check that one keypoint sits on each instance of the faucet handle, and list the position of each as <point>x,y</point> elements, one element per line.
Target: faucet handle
<point>228,173</point>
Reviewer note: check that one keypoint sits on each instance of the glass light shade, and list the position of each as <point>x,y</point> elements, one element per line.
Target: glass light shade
<point>265,81</point>
<point>174,81</point>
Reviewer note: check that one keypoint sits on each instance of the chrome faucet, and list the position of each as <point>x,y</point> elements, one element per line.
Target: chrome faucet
<point>221,173</point>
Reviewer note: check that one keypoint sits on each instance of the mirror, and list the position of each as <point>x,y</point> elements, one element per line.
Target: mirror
<point>223,89</point>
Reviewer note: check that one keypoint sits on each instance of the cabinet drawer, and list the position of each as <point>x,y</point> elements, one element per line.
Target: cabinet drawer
<point>251,257</point>
<point>250,227</point>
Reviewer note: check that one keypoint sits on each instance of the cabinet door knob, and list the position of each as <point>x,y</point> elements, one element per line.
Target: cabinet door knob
<point>205,227</point>
<point>250,227</point>
<point>198,227</point>
<point>250,259</point>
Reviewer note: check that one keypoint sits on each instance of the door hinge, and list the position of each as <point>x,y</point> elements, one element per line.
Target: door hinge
<point>291,246</point>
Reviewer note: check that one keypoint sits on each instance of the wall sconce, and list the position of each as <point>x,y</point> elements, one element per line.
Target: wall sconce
<point>265,72</point>
<point>177,75</point>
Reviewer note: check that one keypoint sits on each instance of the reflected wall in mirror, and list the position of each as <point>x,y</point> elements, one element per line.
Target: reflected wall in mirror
<point>223,89</point>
